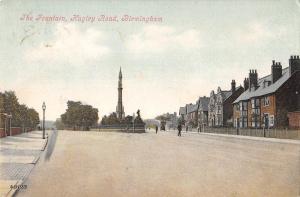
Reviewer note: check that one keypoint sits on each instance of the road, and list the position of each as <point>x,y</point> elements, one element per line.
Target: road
<point>121,164</point>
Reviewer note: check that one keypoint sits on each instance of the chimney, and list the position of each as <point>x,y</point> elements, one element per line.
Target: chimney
<point>252,79</point>
<point>246,84</point>
<point>276,71</point>
<point>232,86</point>
<point>294,64</point>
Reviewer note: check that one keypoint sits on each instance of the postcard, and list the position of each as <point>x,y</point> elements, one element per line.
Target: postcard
<point>150,98</point>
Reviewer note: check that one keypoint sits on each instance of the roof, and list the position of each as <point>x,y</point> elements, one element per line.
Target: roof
<point>191,108</point>
<point>182,110</point>
<point>226,94</point>
<point>234,92</point>
<point>261,90</point>
<point>203,103</point>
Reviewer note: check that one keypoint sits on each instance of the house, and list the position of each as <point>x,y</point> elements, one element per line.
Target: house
<point>203,111</point>
<point>220,109</point>
<point>271,101</point>
<point>192,115</point>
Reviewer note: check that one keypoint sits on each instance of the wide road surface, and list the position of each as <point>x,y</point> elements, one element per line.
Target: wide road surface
<point>121,164</point>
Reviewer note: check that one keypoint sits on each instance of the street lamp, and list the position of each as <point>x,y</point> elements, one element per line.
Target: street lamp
<point>44,108</point>
<point>9,116</point>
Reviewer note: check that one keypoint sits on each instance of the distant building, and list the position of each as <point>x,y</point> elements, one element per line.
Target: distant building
<point>220,109</point>
<point>189,115</point>
<point>172,121</point>
<point>192,115</point>
<point>271,101</point>
<point>182,114</point>
<point>203,111</point>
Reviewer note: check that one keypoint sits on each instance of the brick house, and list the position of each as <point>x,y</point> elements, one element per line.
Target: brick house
<point>267,101</point>
<point>294,120</point>
<point>220,109</point>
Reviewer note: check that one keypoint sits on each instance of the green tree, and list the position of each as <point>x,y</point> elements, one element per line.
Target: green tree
<point>21,115</point>
<point>111,119</point>
<point>11,106</point>
<point>78,116</point>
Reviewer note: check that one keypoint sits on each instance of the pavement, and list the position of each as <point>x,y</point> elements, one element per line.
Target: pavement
<point>149,164</point>
<point>245,137</point>
<point>18,156</point>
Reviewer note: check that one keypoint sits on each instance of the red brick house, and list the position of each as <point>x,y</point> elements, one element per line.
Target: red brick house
<point>267,101</point>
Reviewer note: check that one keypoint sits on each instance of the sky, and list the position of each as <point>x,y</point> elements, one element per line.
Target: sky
<point>197,47</point>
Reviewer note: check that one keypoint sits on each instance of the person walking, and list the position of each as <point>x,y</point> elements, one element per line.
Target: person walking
<point>156,129</point>
<point>179,129</point>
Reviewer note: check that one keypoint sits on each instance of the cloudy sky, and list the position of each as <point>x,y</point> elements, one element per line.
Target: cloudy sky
<point>198,46</point>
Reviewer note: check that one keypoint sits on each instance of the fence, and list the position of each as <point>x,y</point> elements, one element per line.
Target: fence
<point>130,128</point>
<point>270,133</point>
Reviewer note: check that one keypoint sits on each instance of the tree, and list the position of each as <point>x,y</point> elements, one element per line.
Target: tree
<point>78,115</point>
<point>111,119</point>
<point>59,125</point>
<point>11,106</point>
<point>21,115</point>
<point>128,119</point>
<point>163,118</point>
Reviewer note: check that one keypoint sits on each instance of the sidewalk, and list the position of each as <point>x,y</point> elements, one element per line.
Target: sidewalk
<point>242,137</point>
<point>276,140</point>
<point>18,155</point>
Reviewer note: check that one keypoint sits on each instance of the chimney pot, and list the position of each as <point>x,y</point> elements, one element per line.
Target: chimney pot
<point>294,64</point>
<point>276,72</point>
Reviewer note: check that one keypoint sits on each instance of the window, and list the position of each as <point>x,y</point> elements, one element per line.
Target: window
<point>257,104</point>
<point>253,103</point>
<point>243,106</point>
<point>271,121</point>
<point>219,109</point>
<point>237,107</point>
<point>266,101</point>
<point>256,111</point>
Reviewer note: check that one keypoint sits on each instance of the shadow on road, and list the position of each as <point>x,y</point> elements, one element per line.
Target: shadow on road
<point>51,145</point>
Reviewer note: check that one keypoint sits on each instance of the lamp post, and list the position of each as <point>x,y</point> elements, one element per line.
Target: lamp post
<point>9,116</point>
<point>44,108</point>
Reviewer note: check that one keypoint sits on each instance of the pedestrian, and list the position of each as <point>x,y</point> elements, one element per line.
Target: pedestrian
<point>156,129</point>
<point>179,129</point>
